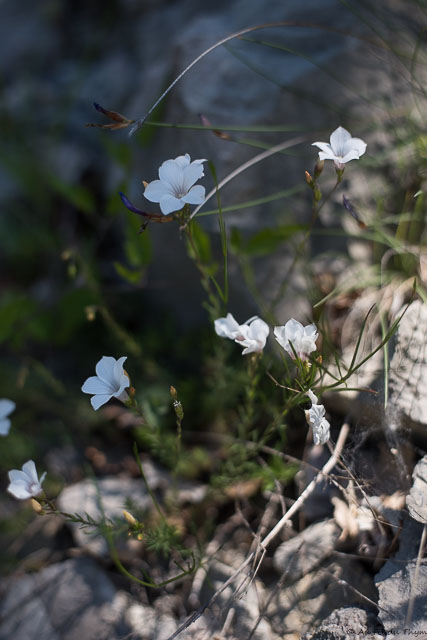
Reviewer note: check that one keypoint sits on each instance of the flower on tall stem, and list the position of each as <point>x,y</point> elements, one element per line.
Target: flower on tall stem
<point>294,338</point>
<point>25,484</point>
<point>110,382</point>
<point>176,185</point>
<point>6,408</point>
<point>315,417</point>
<point>252,334</point>
<point>341,148</point>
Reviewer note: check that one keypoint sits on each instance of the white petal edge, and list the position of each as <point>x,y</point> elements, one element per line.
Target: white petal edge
<point>156,190</point>
<point>6,407</point>
<point>338,139</point>
<point>5,425</point>
<point>171,172</point>
<point>94,385</point>
<point>169,203</point>
<point>196,195</point>
<point>99,400</point>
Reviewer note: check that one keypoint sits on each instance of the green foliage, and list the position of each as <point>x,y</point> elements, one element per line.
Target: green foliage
<point>264,242</point>
<point>276,471</point>
<point>163,539</point>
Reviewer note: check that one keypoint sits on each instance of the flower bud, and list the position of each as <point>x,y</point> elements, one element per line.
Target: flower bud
<point>318,168</point>
<point>179,411</point>
<point>173,392</point>
<point>37,507</point>
<point>90,311</point>
<point>129,518</point>
<point>309,179</point>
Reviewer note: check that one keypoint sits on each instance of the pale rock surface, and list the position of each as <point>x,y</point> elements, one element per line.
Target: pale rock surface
<point>70,600</point>
<point>408,369</point>
<point>306,551</point>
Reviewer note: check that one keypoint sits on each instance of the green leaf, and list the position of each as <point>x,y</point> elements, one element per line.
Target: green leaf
<point>268,240</point>
<point>70,314</point>
<point>133,276</point>
<point>202,242</point>
<point>80,197</point>
<point>236,240</point>
<point>137,247</point>
<point>15,311</point>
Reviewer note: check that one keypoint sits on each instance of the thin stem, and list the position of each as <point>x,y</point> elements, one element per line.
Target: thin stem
<point>147,486</point>
<point>274,532</point>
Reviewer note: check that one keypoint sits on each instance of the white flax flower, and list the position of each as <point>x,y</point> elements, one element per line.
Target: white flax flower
<point>252,334</point>
<point>303,339</point>
<point>317,421</point>
<point>25,484</point>
<point>110,382</point>
<point>341,148</point>
<point>176,185</point>
<point>6,408</point>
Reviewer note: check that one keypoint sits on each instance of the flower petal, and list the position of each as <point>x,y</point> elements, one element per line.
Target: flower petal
<point>171,172</point>
<point>338,139</point>
<point>355,144</point>
<point>351,155</point>
<point>19,491</point>
<point>311,331</point>
<point>328,156</point>
<point>259,330</point>
<point>155,190</point>
<point>105,369</point>
<point>227,327</point>
<point>183,161</point>
<point>6,407</point>
<point>279,334</point>
<point>118,371</point>
<point>324,146</point>
<point>15,475</point>
<point>29,468</point>
<point>196,195</point>
<point>128,204</point>
<point>312,397</point>
<point>5,426</point>
<point>192,173</point>
<point>95,386</point>
<point>98,401</point>
<point>169,203</point>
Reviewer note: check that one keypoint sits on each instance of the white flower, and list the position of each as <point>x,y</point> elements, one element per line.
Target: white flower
<point>316,419</point>
<point>303,339</point>
<point>25,484</point>
<point>6,408</point>
<point>342,148</point>
<point>110,382</point>
<point>252,334</point>
<point>175,187</point>
<point>227,327</point>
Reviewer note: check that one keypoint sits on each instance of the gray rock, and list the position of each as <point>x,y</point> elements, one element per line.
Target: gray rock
<point>417,499</point>
<point>300,606</point>
<point>241,603</point>
<point>148,624</point>
<point>71,600</point>
<point>306,551</point>
<point>408,369</point>
<point>395,581</point>
<point>348,623</point>
<point>106,496</point>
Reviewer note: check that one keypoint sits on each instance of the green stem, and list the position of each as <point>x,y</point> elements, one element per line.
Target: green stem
<point>147,486</point>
